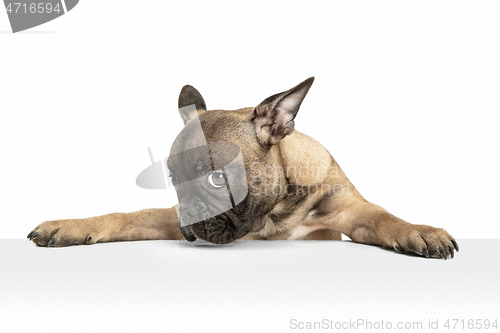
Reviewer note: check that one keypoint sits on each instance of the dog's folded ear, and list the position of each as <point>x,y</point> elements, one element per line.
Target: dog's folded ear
<point>190,96</point>
<point>274,117</point>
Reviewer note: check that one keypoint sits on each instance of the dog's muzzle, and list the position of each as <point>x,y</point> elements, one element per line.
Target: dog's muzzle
<point>188,233</point>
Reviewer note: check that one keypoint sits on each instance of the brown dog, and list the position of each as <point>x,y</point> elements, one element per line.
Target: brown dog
<point>293,189</point>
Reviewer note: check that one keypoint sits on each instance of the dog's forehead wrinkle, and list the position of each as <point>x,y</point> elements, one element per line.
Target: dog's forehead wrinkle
<point>200,166</point>
<point>226,134</point>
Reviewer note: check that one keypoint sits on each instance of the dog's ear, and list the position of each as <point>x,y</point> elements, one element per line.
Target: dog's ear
<point>190,96</point>
<point>274,117</point>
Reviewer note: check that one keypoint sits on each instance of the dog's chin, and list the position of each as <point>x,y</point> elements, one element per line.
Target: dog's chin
<point>216,230</point>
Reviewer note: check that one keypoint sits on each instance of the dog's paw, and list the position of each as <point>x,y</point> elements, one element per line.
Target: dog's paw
<point>426,241</point>
<point>60,233</point>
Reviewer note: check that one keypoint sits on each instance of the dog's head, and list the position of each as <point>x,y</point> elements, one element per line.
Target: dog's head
<point>223,163</point>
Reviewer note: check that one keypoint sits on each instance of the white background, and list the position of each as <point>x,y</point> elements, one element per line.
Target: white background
<point>406,98</point>
<point>172,286</point>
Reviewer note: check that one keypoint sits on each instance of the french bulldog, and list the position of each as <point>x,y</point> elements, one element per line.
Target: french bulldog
<point>287,187</point>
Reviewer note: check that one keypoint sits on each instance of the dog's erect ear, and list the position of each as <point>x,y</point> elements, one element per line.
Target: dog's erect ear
<point>190,96</point>
<point>274,117</point>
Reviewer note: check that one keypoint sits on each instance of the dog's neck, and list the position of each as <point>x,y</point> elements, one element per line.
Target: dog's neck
<point>304,160</point>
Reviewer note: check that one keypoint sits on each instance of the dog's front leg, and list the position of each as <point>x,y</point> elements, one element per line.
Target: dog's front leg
<point>368,223</point>
<point>147,224</point>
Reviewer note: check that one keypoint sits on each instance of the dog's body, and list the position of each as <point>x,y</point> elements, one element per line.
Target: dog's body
<point>316,200</point>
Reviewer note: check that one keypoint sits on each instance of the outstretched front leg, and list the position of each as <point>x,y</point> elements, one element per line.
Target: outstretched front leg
<point>147,224</point>
<point>368,223</point>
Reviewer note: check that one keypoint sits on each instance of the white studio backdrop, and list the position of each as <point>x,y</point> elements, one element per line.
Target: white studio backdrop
<point>406,99</point>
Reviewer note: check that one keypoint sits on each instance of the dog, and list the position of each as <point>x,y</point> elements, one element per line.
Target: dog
<point>288,187</point>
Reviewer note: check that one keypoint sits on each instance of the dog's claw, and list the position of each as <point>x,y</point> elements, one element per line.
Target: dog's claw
<point>443,253</point>
<point>51,242</point>
<point>32,235</point>
<point>426,253</point>
<point>450,248</point>
<point>455,244</point>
